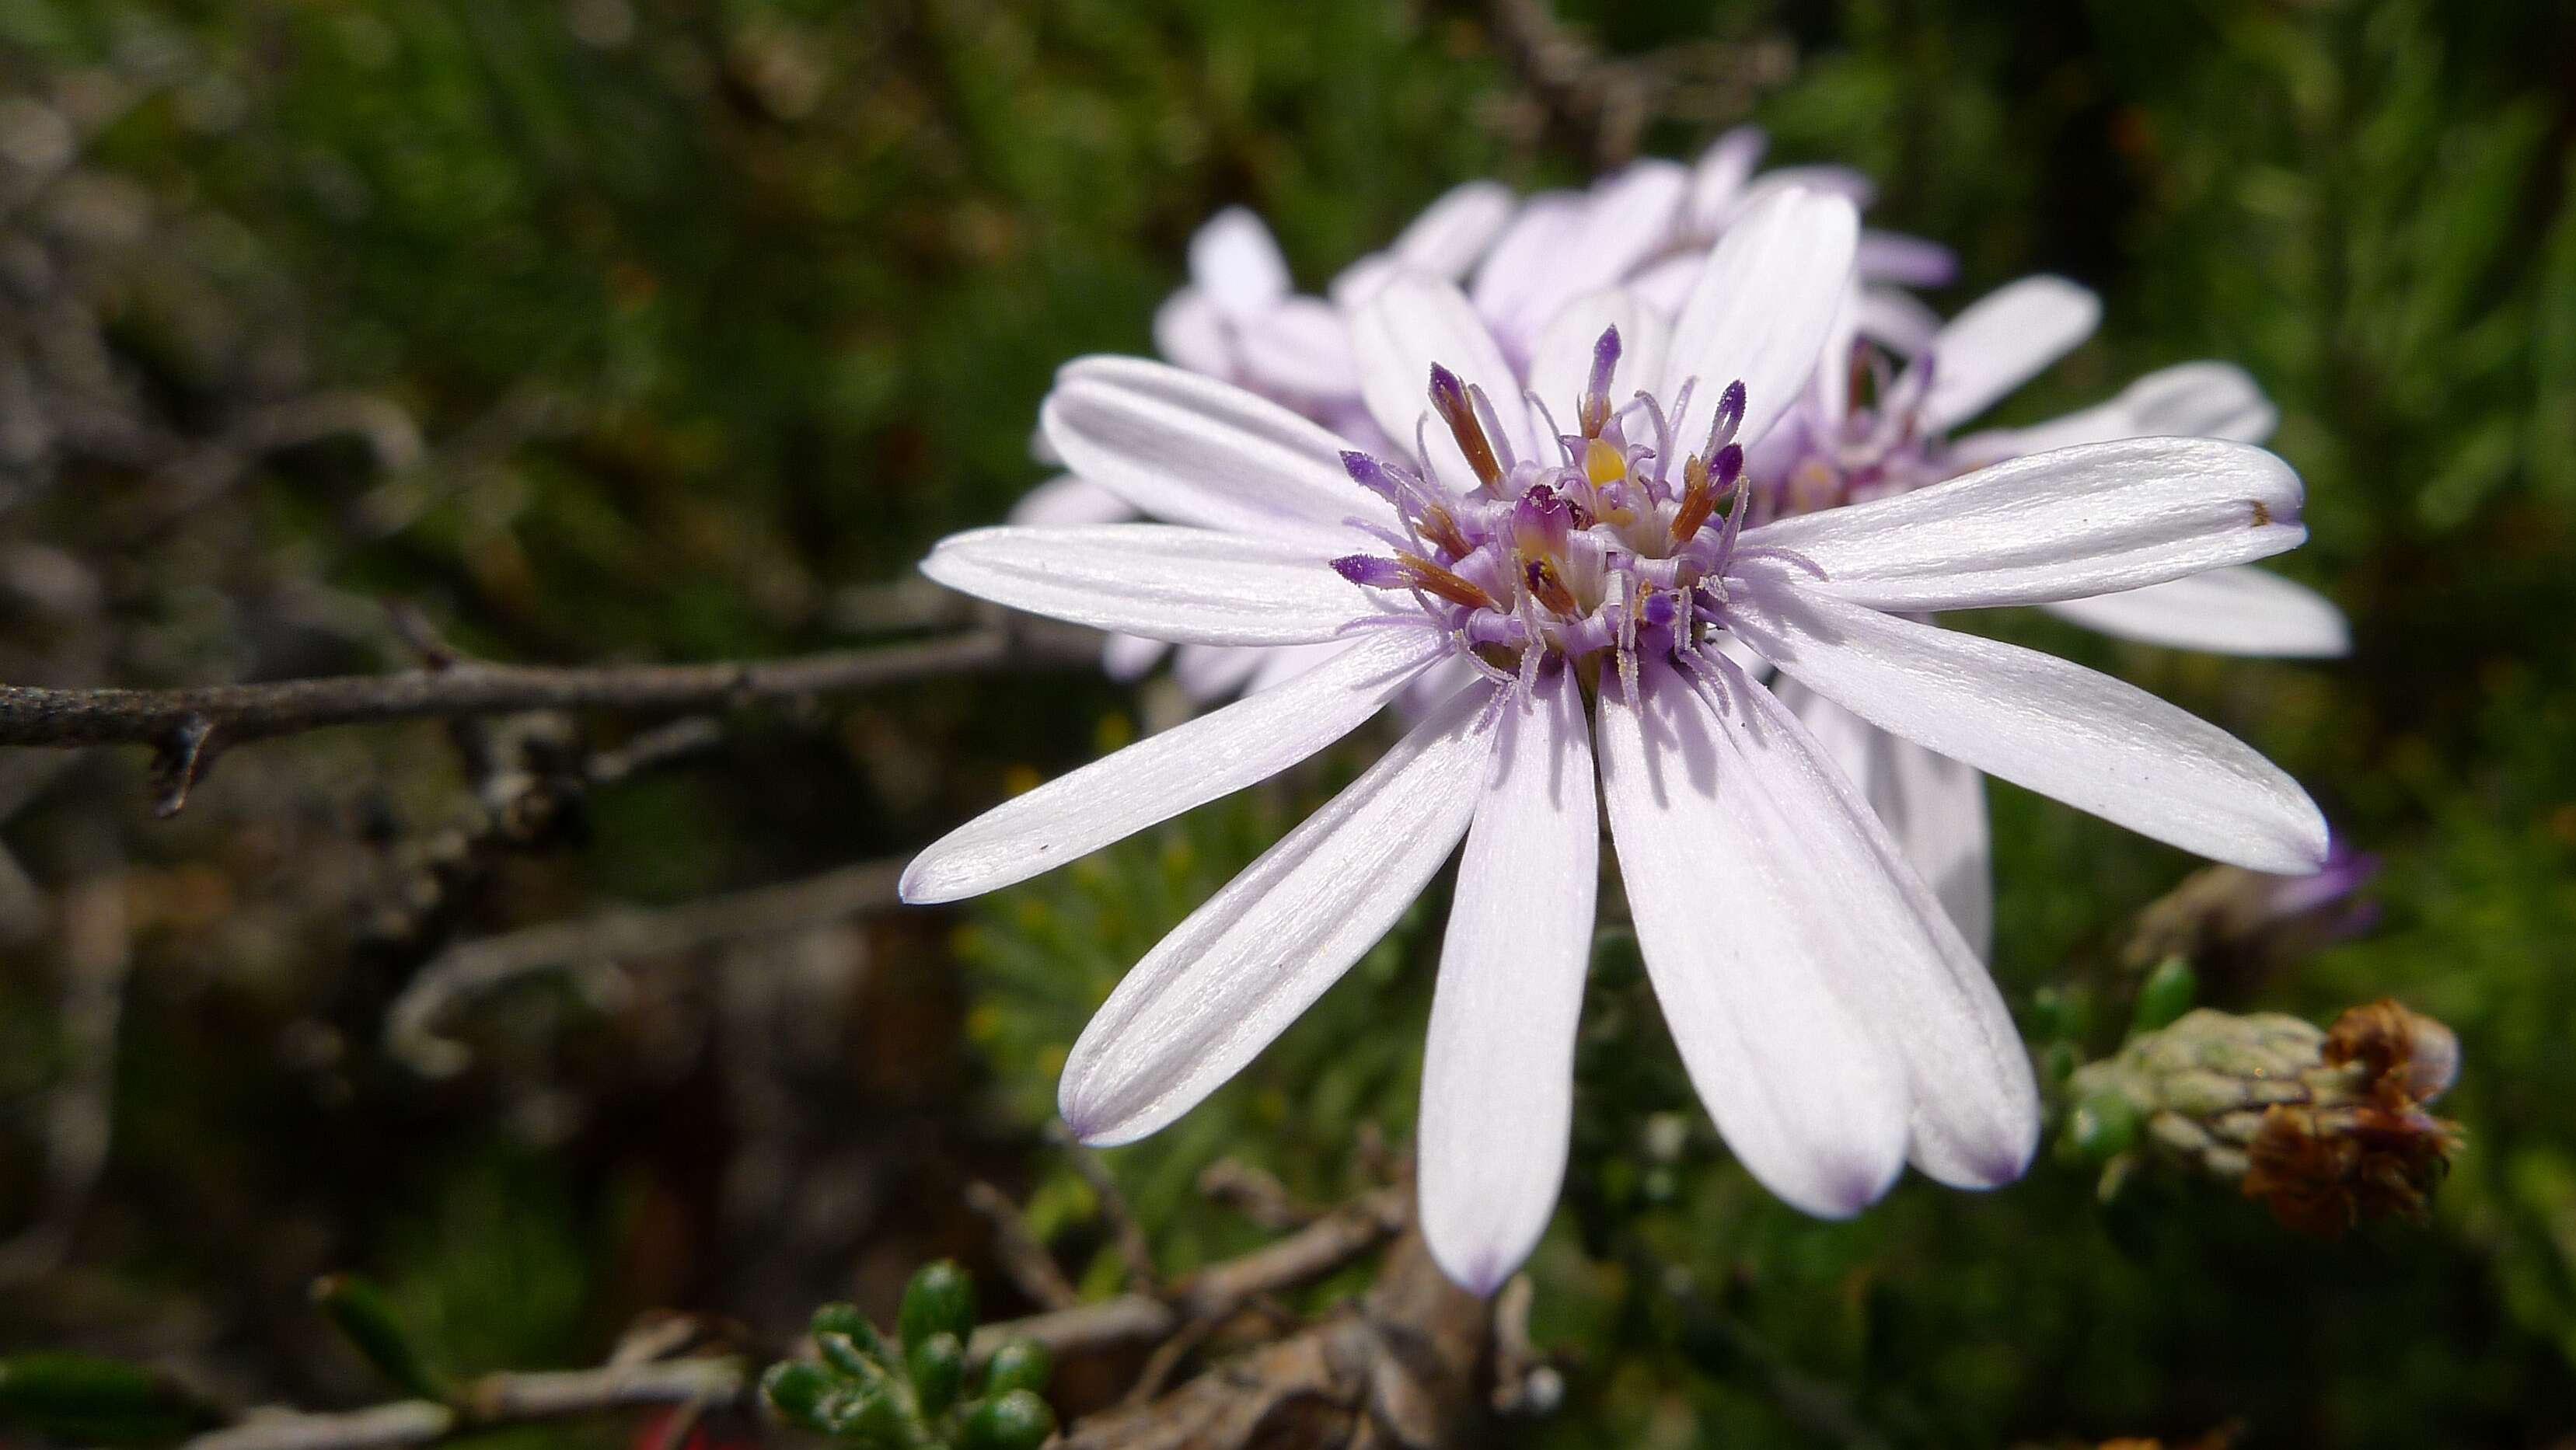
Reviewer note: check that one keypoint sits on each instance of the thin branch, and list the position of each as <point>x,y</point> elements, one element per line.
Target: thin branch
<point>490,1403</point>
<point>1023,1257</point>
<point>1256,1194</point>
<point>186,726</point>
<point>1216,1291</point>
<point>476,967</point>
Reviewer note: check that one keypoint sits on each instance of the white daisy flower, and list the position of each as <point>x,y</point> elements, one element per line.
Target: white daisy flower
<point>1594,583</point>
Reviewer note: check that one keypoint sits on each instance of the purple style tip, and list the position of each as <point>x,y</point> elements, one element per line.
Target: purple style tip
<point>1605,359</point>
<point>1368,571</point>
<point>1369,474</point>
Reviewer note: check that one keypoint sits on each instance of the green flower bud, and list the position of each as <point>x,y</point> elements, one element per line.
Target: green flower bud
<point>1018,1420</point>
<point>938,1371</point>
<point>2328,1128</point>
<point>1021,1364</point>
<point>940,1299</point>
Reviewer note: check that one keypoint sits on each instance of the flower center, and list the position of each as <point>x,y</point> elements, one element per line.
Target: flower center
<point>1537,564</point>
<point>1874,450</point>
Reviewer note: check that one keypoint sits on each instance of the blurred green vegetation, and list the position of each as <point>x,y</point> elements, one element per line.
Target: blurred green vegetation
<point>748,301</point>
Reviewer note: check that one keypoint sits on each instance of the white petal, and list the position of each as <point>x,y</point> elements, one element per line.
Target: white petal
<point>1208,672</point>
<point>1846,182</point>
<point>1934,807</point>
<point>2062,525</point>
<point>1301,348</point>
<point>1236,262</point>
<point>1886,946</point>
<point>1667,282</point>
<point>1067,500</point>
<point>1189,586</point>
<point>2191,400</point>
<point>1446,240</point>
<point>2225,611</point>
<point>1193,450</point>
<point>1626,218</point>
<point>1189,332</point>
<point>1831,385</point>
<point>1417,320</point>
<point>1525,255</point>
<point>1899,321</point>
<point>1455,230</point>
<point>2040,722</point>
<point>1561,366</point>
<point>1498,1067</point>
<point>1905,261</point>
<point>2002,341</point>
<point>1760,309</point>
<point>1235,973</point>
<point>1808,1097</point>
<point>1288,661</point>
<point>1125,657</point>
<point>1718,178</point>
<point>1163,775</point>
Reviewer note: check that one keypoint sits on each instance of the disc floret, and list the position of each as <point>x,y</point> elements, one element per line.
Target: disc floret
<point>1535,565</point>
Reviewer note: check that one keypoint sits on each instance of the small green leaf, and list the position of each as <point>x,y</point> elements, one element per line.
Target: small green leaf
<point>2165,995</point>
<point>938,1371</point>
<point>1018,1420</point>
<point>2102,1127</point>
<point>1022,1364</point>
<point>798,1389</point>
<point>360,1310</point>
<point>847,1321</point>
<point>940,1299</point>
<point>844,1355</point>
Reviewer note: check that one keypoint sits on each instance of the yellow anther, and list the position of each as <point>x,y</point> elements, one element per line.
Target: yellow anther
<point>1603,463</point>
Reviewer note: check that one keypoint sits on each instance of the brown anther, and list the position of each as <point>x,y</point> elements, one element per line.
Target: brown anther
<point>2262,513</point>
<point>1698,501</point>
<point>1547,588</point>
<point>1441,529</point>
<point>1424,574</point>
<point>1455,409</point>
<point>1592,414</point>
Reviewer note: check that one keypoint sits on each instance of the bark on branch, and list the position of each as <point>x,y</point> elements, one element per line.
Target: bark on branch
<point>490,1403</point>
<point>186,727</point>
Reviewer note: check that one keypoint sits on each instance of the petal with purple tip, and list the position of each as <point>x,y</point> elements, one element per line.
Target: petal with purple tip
<point>1810,1098</point>
<point>2038,721</point>
<point>1498,1066</point>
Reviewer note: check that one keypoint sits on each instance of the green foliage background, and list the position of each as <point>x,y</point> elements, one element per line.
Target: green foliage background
<point>797,274</point>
